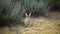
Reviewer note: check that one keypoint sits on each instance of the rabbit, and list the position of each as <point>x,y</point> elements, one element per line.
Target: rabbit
<point>27,20</point>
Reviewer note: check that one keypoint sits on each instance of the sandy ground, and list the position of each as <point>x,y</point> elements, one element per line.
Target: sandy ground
<point>39,26</point>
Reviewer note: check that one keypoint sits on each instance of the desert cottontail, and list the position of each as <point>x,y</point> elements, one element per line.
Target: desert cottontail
<point>27,20</point>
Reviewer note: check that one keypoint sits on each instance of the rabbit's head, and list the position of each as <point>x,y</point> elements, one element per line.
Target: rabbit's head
<point>27,16</point>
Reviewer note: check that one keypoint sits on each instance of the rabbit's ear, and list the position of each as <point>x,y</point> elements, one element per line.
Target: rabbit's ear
<point>29,14</point>
<point>26,14</point>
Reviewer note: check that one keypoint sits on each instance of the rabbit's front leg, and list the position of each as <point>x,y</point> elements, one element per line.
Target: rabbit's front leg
<point>30,23</point>
<point>25,25</point>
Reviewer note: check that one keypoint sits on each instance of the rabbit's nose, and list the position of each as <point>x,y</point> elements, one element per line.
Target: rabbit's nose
<point>27,21</point>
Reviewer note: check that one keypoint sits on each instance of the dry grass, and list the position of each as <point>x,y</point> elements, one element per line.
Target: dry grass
<point>39,26</point>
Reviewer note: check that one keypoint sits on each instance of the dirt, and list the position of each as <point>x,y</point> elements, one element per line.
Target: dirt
<point>39,26</point>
